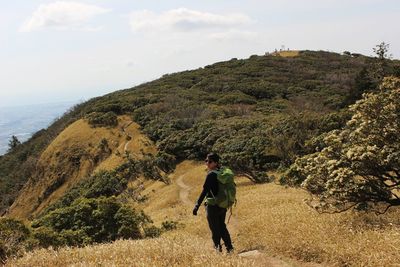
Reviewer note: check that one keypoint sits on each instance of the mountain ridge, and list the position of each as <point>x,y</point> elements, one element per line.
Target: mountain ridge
<point>265,107</point>
<point>135,149</point>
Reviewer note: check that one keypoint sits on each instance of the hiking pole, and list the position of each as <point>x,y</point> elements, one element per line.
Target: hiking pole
<point>231,208</point>
<point>229,216</point>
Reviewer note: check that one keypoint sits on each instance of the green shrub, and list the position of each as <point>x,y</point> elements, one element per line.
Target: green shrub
<point>100,119</point>
<point>75,238</point>
<point>131,222</point>
<point>87,221</point>
<point>166,162</point>
<point>15,238</point>
<point>109,107</point>
<point>236,98</point>
<point>152,231</point>
<point>169,225</point>
<point>47,237</point>
<point>294,176</point>
<point>103,183</point>
<point>148,167</point>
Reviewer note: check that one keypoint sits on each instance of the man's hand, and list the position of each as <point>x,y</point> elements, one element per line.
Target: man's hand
<point>195,209</point>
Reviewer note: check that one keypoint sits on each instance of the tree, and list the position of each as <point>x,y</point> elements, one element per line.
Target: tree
<point>364,82</point>
<point>13,143</point>
<point>380,68</point>
<point>381,50</point>
<point>369,78</point>
<point>360,164</point>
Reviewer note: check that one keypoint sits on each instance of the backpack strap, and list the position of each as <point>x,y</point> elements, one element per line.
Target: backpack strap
<point>216,171</point>
<point>213,196</point>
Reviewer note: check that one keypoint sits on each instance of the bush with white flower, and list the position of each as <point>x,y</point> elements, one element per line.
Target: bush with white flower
<point>360,164</point>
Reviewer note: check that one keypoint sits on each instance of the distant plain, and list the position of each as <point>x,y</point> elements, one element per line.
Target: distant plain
<point>24,121</point>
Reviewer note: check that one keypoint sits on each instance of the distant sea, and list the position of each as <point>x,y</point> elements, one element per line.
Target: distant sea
<point>24,121</point>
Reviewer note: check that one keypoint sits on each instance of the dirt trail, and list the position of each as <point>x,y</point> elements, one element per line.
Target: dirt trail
<point>128,135</point>
<point>260,258</point>
<point>126,146</point>
<point>183,191</point>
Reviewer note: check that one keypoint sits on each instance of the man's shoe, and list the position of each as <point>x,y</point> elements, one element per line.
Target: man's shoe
<point>218,248</point>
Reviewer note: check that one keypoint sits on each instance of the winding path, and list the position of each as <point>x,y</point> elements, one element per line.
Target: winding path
<point>128,135</point>
<point>183,191</point>
<point>126,146</point>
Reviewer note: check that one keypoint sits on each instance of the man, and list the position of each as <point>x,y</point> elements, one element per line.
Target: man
<point>215,214</point>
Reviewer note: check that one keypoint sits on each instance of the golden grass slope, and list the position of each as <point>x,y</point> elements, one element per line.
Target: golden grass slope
<point>268,217</point>
<point>288,53</point>
<point>181,250</point>
<point>71,157</point>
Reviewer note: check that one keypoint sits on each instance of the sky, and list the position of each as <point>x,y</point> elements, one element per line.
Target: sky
<point>57,51</point>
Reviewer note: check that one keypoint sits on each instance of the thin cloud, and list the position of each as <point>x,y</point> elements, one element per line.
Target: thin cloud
<point>62,15</point>
<point>184,20</point>
<point>234,35</point>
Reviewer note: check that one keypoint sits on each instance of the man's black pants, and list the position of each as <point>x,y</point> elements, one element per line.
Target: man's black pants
<point>216,221</point>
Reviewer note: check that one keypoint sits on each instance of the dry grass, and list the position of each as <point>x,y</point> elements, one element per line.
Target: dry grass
<point>285,225</point>
<point>290,53</point>
<point>79,137</point>
<point>139,142</point>
<point>276,220</point>
<point>268,217</point>
<point>176,251</point>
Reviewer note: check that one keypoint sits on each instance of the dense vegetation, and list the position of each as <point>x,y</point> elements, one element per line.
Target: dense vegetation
<point>85,221</point>
<point>89,220</point>
<point>90,212</point>
<point>111,183</point>
<point>98,119</point>
<point>359,165</point>
<point>15,237</point>
<point>258,113</point>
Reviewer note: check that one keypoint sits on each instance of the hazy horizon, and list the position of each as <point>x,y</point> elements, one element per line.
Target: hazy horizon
<point>25,120</point>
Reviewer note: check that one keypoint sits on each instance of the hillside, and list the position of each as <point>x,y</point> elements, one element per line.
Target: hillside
<point>125,165</point>
<point>73,155</point>
<point>257,113</point>
<point>269,218</point>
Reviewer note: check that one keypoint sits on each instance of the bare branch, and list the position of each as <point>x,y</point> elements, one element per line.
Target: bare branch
<point>332,212</point>
<point>247,176</point>
<point>395,195</point>
<point>394,202</point>
<point>377,212</point>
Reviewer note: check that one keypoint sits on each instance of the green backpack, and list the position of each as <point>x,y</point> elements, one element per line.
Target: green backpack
<point>226,196</point>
